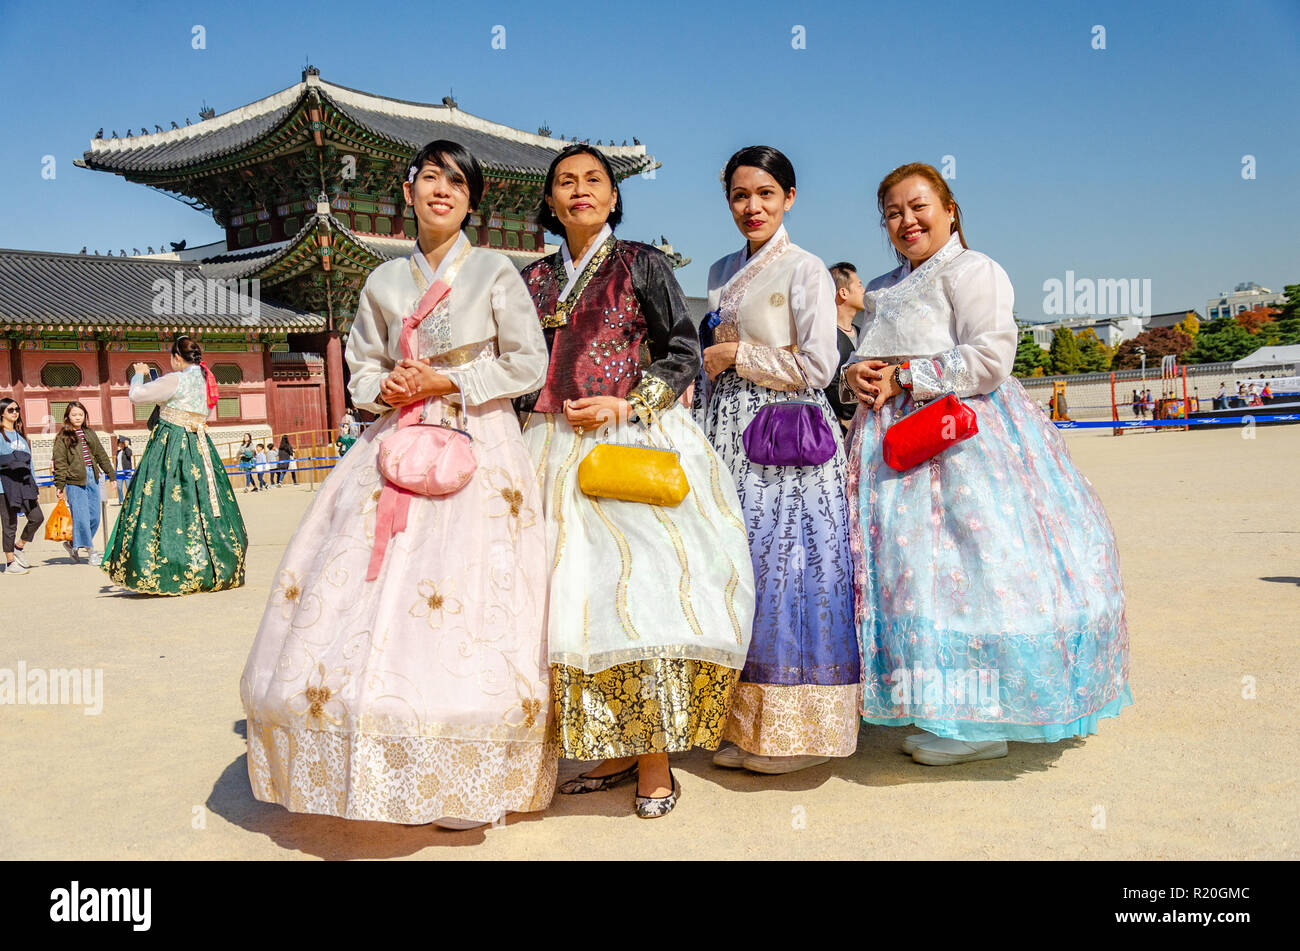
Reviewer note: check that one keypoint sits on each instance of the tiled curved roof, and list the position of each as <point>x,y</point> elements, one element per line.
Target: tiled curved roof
<point>410,124</point>
<point>45,288</point>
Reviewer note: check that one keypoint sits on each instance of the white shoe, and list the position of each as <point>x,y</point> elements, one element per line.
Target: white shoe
<point>94,557</point>
<point>74,552</point>
<point>19,559</point>
<point>730,757</point>
<point>15,567</point>
<point>943,752</point>
<point>457,825</point>
<point>775,765</point>
<point>916,740</point>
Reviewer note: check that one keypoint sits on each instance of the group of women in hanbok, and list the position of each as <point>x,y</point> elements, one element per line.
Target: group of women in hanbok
<point>430,652</point>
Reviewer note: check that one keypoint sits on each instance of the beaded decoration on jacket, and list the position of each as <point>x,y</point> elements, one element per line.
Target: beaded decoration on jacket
<point>601,348</point>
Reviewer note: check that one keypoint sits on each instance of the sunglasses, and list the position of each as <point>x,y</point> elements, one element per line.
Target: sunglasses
<point>12,409</point>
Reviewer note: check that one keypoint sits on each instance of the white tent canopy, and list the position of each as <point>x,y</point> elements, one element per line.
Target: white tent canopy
<point>1269,357</point>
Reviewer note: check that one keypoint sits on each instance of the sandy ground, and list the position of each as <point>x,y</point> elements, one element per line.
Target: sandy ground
<point>1199,767</point>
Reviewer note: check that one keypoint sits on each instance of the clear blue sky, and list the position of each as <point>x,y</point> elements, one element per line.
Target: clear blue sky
<point>1116,163</point>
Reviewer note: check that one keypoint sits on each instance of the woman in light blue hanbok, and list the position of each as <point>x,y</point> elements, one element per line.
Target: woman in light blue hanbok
<point>989,598</point>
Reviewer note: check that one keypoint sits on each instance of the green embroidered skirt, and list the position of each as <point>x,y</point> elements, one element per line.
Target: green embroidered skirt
<point>179,529</point>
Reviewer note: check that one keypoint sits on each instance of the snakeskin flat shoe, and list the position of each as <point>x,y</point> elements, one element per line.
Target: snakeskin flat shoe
<point>652,807</point>
<point>586,784</point>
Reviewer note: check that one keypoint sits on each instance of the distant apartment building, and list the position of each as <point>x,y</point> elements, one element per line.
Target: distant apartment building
<point>1109,330</point>
<point>1244,297</point>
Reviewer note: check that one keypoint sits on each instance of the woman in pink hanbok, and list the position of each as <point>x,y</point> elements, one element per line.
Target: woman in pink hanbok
<point>400,673</point>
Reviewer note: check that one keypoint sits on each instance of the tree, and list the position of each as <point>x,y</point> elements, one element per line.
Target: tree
<point>1095,356</point>
<point>1223,340</point>
<point>1159,342</point>
<point>1257,320</point>
<point>1189,325</point>
<point>1065,354</point>
<point>1287,324</point>
<point>1029,356</point>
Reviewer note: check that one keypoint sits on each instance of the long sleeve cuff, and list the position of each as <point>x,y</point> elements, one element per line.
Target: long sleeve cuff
<point>773,367</point>
<point>936,375</point>
<point>653,394</point>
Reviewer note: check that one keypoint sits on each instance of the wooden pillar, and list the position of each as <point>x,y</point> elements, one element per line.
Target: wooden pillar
<point>333,380</point>
<point>105,397</point>
<point>16,373</point>
<point>268,372</point>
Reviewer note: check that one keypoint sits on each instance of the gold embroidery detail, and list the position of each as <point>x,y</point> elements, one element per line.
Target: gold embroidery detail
<point>625,575</point>
<point>715,481</point>
<point>777,299</point>
<point>561,478</point>
<point>683,583</point>
<point>566,307</point>
<point>729,597</point>
<point>654,393</point>
<point>436,597</point>
<point>795,720</point>
<point>649,706</point>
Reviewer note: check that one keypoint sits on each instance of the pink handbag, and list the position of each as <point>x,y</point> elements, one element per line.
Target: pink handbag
<point>427,459</point>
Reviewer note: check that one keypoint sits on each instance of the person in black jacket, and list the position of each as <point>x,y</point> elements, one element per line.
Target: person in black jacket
<point>125,465</point>
<point>18,492</point>
<point>848,302</point>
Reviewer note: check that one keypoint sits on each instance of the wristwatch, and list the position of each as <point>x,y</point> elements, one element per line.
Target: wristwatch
<point>903,375</point>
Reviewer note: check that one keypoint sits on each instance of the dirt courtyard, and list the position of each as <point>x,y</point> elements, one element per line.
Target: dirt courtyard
<point>1200,767</point>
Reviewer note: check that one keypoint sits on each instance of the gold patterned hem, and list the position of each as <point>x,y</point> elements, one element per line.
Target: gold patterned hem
<point>795,720</point>
<point>406,779</point>
<point>650,706</point>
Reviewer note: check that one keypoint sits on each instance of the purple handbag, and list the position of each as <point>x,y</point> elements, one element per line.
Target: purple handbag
<point>789,433</point>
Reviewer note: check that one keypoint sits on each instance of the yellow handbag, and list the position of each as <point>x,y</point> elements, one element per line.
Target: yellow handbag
<point>633,474</point>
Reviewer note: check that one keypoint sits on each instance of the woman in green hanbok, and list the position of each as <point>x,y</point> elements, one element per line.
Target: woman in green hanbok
<point>179,530</point>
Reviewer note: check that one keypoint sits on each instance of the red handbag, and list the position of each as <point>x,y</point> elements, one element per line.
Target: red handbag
<point>923,434</point>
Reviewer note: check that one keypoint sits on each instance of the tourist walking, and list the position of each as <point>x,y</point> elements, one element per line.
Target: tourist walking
<point>18,490</point>
<point>125,466</point>
<point>247,460</point>
<point>285,465</point>
<point>79,463</point>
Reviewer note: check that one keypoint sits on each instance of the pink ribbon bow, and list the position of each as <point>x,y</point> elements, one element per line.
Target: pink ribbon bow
<point>395,502</point>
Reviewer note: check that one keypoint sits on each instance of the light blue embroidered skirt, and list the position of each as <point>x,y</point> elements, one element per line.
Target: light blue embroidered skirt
<point>989,598</point>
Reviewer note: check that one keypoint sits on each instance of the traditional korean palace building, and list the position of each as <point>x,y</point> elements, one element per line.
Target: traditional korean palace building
<point>306,184</point>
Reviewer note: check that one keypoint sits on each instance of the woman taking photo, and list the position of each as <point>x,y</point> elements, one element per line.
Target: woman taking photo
<point>399,674</point>
<point>18,491</point>
<point>770,335</point>
<point>990,599</point>
<point>79,461</point>
<point>180,530</point>
<point>650,604</point>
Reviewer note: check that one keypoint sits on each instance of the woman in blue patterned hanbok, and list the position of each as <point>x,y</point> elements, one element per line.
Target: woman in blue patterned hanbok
<point>990,603</point>
<point>771,335</point>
